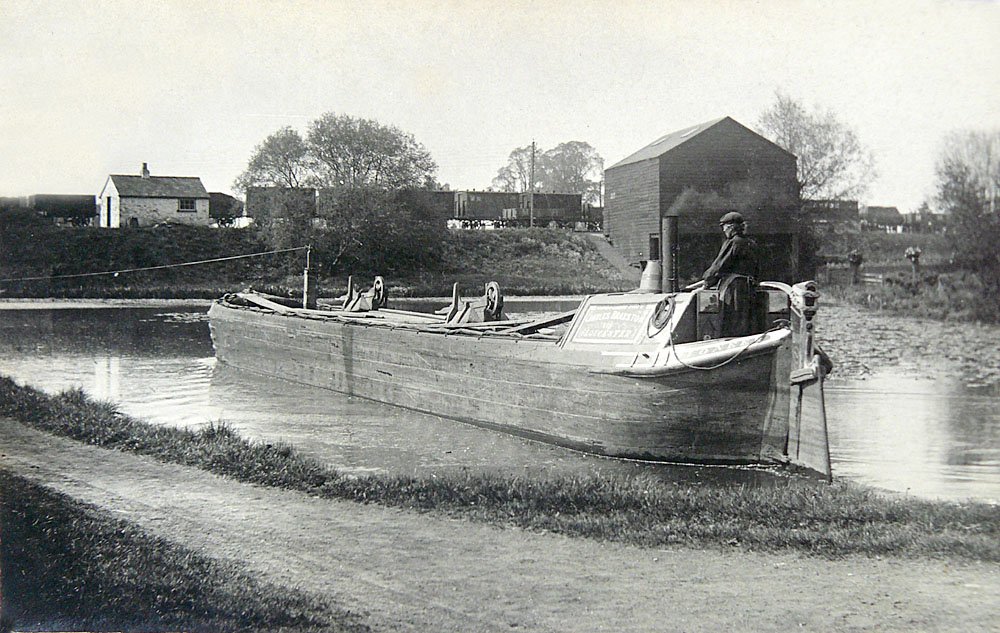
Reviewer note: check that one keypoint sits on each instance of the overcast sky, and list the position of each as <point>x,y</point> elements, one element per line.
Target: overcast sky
<point>90,88</point>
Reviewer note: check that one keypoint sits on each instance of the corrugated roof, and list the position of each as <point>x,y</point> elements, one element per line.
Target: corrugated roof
<point>159,186</point>
<point>667,142</point>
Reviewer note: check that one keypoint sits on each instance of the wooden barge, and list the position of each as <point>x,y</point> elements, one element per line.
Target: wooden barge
<point>632,375</point>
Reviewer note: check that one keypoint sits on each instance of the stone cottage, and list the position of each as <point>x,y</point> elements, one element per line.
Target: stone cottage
<point>146,200</point>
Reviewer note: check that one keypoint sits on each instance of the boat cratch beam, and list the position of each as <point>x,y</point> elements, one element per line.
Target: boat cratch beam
<point>641,375</point>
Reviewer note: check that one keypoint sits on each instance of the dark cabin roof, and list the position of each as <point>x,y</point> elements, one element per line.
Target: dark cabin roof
<point>667,142</point>
<point>159,186</point>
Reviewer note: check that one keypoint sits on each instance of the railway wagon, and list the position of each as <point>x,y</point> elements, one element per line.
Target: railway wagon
<point>481,206</point>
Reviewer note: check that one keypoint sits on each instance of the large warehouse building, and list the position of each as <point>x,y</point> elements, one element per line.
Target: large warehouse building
<point>699,173</point>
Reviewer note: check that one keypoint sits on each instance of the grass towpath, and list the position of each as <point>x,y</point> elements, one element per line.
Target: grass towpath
<point>408,571</point>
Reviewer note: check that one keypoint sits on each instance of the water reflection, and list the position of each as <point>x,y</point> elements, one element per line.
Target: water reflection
<point>928,438</point>
<point>931,438</point>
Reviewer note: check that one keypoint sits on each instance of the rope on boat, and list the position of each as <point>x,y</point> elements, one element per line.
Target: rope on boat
<point>136,270</point>
<point>670,340</point>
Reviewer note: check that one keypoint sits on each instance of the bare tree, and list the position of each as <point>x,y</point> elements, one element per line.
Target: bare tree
<point>833,164</point>
<point>280,160</point>
<point>516,174</point>
<point>968,173</point>
<point>571,167</point>
<point>978,152</point>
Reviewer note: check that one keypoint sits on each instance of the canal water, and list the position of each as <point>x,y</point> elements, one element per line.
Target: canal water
<point>928,438</point>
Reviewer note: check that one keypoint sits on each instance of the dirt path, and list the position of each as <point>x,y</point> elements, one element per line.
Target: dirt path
<point>407,571</point>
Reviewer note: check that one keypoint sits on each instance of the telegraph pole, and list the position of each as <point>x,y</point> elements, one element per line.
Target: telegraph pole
<point>531,195</point>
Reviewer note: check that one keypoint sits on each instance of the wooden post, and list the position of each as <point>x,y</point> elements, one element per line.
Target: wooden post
<point>913,254</point>
<point>308,289</point>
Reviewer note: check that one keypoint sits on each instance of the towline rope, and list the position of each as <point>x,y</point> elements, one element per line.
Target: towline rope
<point>136,270</point>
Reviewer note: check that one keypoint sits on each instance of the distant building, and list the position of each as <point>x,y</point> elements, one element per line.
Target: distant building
<point>923,220</point>
<point>222,206</point>
<point>78,210</point>
<point>146,200</point>
<point>11,202</point>
<point>881,218</point>
<point>698,173</point>
<point>831,212</point>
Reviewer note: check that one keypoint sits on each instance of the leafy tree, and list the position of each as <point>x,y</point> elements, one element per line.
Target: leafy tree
<point>281,160</point>
<point>287,220</point>
<point>833,164</point>
<point>355,153</point>
<point>349,190</point>
<point>968,174</point>
<point>571,167</point>
<point>371,229</point>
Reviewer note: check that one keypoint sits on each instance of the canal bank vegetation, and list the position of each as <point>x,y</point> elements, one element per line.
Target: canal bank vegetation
<point>523,261</point>
<point>794,514</point>
<point>953,296</point>
<point>70,566</point>
<point>944,288</point>
<point>959,269</point>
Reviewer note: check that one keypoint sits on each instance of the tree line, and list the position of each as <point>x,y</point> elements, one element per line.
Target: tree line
<point>373,210</point>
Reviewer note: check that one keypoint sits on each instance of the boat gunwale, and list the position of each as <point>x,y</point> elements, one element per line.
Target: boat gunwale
<point>375,319</point>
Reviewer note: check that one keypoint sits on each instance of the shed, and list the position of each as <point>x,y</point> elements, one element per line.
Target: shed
<point>224,208</point>
<point>78,210</point>
<point>145,200</point>
<point>699,173</point>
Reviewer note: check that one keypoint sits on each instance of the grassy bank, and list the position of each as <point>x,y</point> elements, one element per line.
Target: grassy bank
<point>797,515</point>
<point>956,296</point>
<point>943,291</point>
<point>522,261</point>
<point>69,566</point>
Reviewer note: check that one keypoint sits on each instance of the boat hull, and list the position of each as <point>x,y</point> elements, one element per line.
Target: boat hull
<point>736,414</point>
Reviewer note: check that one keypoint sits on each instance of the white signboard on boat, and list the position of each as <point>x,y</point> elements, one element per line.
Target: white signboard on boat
<point>614,324</point>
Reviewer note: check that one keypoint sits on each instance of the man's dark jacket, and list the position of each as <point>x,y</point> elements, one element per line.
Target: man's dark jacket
<point>738,256</point>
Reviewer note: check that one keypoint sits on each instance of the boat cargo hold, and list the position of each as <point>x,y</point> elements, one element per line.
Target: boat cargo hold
<point>644,375</point>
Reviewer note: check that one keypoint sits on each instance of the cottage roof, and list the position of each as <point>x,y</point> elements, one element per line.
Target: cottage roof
<point>883,215</point>
<point>159,186</point>
<point>669,141</point>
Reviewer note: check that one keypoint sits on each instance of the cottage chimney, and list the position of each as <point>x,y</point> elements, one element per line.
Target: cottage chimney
<point>145,171</point>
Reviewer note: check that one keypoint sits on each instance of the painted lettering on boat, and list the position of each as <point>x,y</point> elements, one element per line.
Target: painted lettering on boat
<point>602,324</point>
<point>719,347</point>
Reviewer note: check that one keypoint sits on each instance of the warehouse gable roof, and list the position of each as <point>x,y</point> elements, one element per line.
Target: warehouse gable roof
<point>667,142</point>
<point>159,186</point>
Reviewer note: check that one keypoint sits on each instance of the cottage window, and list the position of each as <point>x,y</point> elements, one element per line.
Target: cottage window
<point>185,204</point>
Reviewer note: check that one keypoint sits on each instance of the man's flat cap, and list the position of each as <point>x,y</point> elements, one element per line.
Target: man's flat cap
<point>731,217</point>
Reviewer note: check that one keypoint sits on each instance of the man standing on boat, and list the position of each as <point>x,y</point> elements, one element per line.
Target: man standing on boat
<point>735,270</point>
